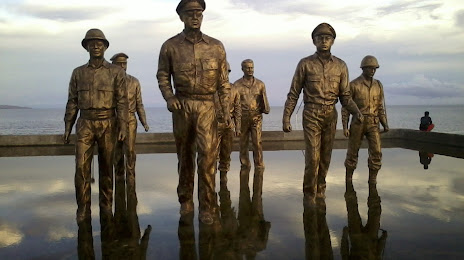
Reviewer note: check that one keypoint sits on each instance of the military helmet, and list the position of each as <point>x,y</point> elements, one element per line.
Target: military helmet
<point>94,34</point>
<point>369,61</point>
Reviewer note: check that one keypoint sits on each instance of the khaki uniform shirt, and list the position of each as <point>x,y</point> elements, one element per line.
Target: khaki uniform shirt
<point>322,82</point>
<point>368,96</point>
<point>253,96</point>
<point>135,98</point>
<point>100,88</point>
<point>197,68</point>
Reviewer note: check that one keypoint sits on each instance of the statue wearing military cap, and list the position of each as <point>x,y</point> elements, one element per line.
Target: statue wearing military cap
<point>192,68</point>
<point>368,95</point>
<point>323,29</point>
<point>186,5</point>
<point>324,80</point>
<point>125,169</point>
<point>97,93</point>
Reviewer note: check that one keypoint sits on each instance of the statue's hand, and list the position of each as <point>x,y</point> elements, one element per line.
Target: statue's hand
<point>122,135</point>
<point>238,133</point>
<point>287,127</point>
<point>66,137</point>
<point>386,128</point>
<point>360,117</point>
<point>173,104</point>
<point>146,128</point>
<point>346,132</point>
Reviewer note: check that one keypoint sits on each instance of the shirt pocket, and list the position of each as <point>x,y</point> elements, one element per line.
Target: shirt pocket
<point>105,95</point>
<point>83,94</point>
<point>183,72</point>
<point>334,85</point>
<point>210,73</point>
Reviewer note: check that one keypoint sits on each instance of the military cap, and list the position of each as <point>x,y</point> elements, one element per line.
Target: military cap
<point>190,5</point>
<point>94,34</point>
<point>117,55</point>
<point>323,28</point>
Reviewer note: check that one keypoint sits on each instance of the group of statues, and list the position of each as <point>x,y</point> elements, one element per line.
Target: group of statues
<point>208,111</point>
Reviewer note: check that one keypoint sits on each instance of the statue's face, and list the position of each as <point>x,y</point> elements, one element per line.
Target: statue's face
<point>248,69</point>
<point>323,42</point>
<point>369,71</point>
<point>121,62</point>
<point>192,18</point>
<point>96,48</point>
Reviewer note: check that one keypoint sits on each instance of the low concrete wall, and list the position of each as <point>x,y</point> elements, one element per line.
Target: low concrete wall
<point>36,145</point>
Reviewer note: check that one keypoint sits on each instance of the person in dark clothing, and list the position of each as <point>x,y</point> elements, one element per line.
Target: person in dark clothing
<point>426,122</point>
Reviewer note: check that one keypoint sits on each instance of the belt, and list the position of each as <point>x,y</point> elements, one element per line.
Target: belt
<point>203,97</point>
<point>97,114</point>
<point>319,106</point>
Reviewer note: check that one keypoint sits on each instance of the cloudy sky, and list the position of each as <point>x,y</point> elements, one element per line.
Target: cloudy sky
<point>419,43</point>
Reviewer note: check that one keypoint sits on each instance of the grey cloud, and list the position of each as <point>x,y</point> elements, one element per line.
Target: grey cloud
<point>426,88</point>
<point>413,6</point>
<point>69,14</point>
<point>460,19</point>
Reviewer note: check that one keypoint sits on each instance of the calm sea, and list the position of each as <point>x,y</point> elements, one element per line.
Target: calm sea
<point>447,119</point>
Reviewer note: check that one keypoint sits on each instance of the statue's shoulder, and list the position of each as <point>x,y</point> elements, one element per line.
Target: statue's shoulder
<point>337,59</point>
<point>212,40</point>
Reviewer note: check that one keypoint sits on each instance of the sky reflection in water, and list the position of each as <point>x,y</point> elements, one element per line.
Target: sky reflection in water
<point>422,210</point>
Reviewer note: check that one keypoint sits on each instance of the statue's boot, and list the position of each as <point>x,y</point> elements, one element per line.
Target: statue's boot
<point>373,176</point>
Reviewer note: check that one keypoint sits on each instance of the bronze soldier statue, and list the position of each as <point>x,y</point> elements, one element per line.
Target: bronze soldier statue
<point>254,103</point>
<point>97,90</point>
<point>362,241</point>
<point>127,148</point>
<point>367,93</point>
<point>226,133</point>
<point>198,67</point>
<point>323,79</point>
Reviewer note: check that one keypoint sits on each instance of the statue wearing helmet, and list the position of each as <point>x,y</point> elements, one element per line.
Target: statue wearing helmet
<point>97,92</point>
<point>368,95</point>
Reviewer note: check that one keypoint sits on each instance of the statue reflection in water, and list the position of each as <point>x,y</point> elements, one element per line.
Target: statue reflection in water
<point>425,158</point>
<point>120,236</point>
<point>232,236</point>
<point>317,235</point>
<point>358,241</point>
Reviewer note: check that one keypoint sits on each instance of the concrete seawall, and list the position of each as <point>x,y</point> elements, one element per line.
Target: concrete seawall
<point>37,145</point>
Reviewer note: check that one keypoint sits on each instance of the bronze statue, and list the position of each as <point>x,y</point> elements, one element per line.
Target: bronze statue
<point>253,229</point>
<point>367,93</point>
<point>254,103</point>
<point>323,79</point>
<point>318,244</point>
<point>120,236</point>
<point>226,133</point>
<point>362,241</point>
<point>127,148</point>
<point>97,90</point>
<point>197,65</point>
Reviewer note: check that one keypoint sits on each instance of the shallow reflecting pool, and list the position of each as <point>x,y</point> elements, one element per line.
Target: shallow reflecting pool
<point>412,213</point>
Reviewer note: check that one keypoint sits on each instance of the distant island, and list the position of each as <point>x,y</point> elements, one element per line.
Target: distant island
<point>13,107</point>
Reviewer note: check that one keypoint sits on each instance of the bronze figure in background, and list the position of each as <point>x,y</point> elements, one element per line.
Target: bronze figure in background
<point>367,93</point>
<point>362,241</point>
<point>226,133</point>
<point>254,103</point>
<point>253,229</point>
<point>197,65</point>
<point>323,79</point>
<point>97,90</point>
<point>127,147</point>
